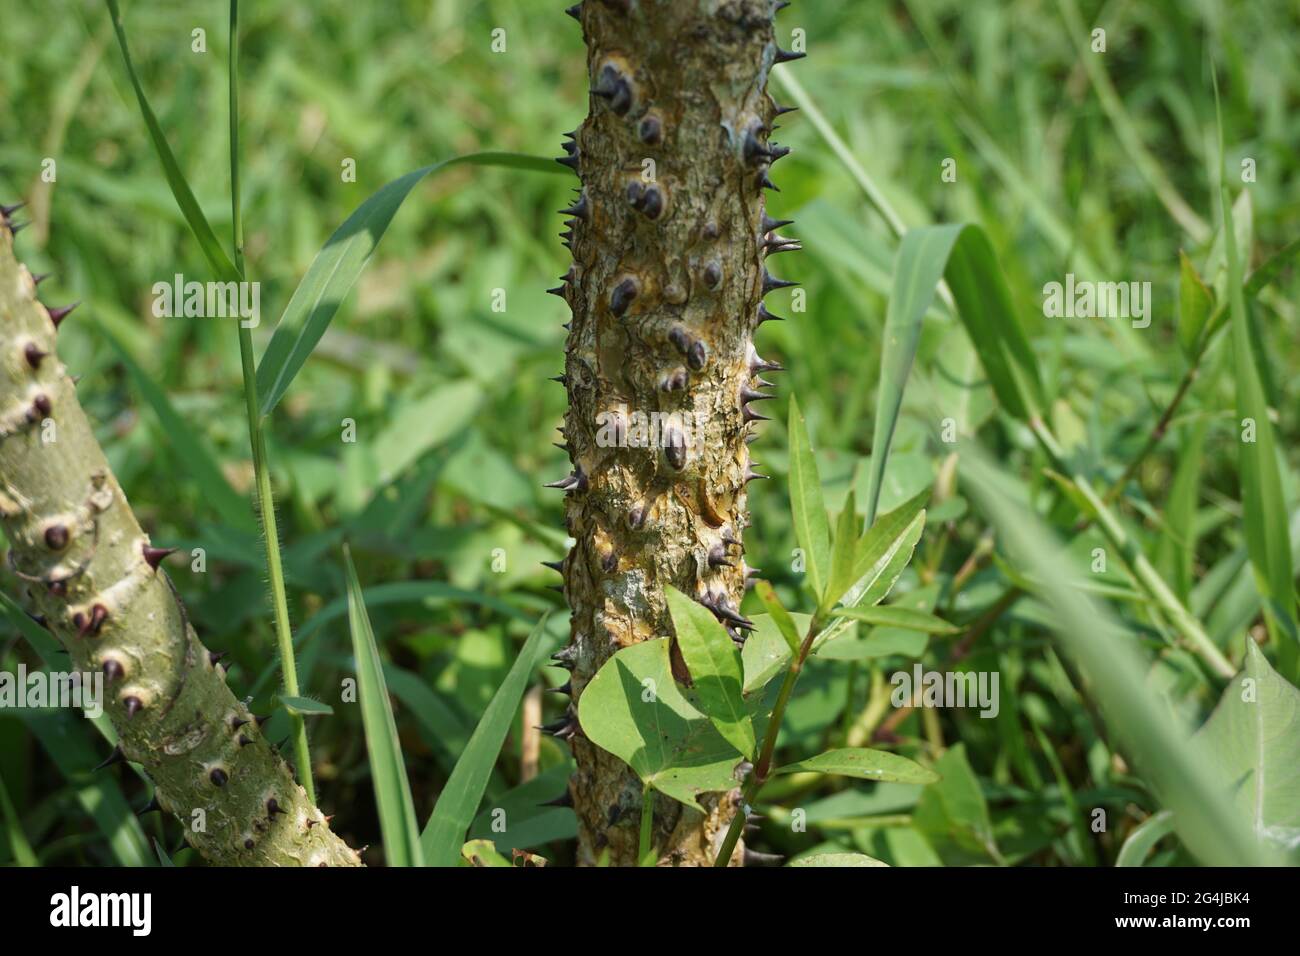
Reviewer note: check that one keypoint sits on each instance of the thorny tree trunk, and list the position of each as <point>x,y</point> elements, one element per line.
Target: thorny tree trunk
<point>94,581</point>
<point>669,237</point>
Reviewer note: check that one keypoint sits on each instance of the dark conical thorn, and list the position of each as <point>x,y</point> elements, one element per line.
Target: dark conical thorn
<point>569,148</point>
<point>34,354</point>
<point>785,56</point>
<point>763,383</point>
<point>781,5</point>
<point>91,625</point>
<point>563,447</point>
<point>113,670</point>
<point>261,720</point>
<point>750,415</point>
<point>753,150</point>
<point>565,656</point>
<point>244,740</point>
<point>771,225</point>
<point>155,556</point>
<point>559,290</point>
<point>675,381</point>
<point>764,181</point>
<point>237,722</point>
<point>758,366</point>
<point>575,11</point>
<point>8,211</point>
<point>563,800</point>
<point>273,807</point>
<point>17,227</point>
<point>771,283</point>
<point>214,657</point>
<point>38,279</point>
<point>782,110</point>
<point>776,151</point>
<point>579,209</point>
<point>58,315</point>
<point>765,316</point>
<point>566,688</point>
<point>152,806</point>
<point>749,395</point>
<point>117,756</point>
<point>562,379</point>
<point>132,705</point>
<point>562,728</point>
<point>779,244</point>
<point>218,777</point>
<point>718,557</point>
<point>570,161</point>
<point>752,475</point>
<point>554,565</point>
<point>564,484</point>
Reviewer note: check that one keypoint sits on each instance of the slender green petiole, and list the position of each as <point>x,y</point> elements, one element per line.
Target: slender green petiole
<point>645,853</point>
<point>257,439</point>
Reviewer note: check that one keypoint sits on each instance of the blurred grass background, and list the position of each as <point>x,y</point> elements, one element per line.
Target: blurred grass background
<point>455,417</point>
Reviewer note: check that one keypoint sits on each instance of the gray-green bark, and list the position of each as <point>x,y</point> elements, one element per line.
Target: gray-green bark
<point>669,239</point>
<point>91,575</point>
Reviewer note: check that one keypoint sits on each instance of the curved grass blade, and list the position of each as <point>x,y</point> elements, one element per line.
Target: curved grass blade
<point>919,267</point>
<point>397,823</point>
<point>336,267</point>
<point>1142,840</point>
<point>1149,730</point>
<point>19,847</point>
<point>444,834</point>
<point>198,223</point>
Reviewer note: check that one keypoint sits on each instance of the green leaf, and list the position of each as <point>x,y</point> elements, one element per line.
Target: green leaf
<point>337,266</point>
<point>163,859</point>
<point>844,552</point>
<point>954,809</point>
<point>780,616</point>
<point>190,209</point>
<point>918,268</point>
<point>886,616</point>
<point>1268,539</point>
<point>396,810</point>
<point>715,668</point>
<point>19,847</point>
<point>1253,741</point>
<point>189,448</point>
<point>444,834</point>
<point>634,709</point>
<point>1143,838</point>
<point>837,859</point>
<point>806,503</point>
<point>305,706</point>
<point>1195,305</point>
<point>864,764</point>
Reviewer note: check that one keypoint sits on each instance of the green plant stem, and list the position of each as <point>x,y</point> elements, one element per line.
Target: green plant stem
<point>645,848</point>
<point>257,439</point>
<point>1157,433</point>
<point>762,768</point>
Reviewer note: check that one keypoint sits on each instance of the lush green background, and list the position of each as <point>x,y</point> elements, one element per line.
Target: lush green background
<point>455,417</point>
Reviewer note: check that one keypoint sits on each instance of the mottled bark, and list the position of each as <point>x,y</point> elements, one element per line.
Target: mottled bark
<point>669,236</point>
<point>93,578</point>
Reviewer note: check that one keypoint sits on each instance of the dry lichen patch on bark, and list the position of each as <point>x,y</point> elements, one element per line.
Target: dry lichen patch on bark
<point>669,237</point>
<point>92,578</point>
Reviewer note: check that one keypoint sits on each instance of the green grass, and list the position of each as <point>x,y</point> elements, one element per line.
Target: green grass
<point>454,415</point>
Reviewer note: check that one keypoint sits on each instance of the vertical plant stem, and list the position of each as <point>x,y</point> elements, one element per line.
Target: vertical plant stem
<point>758,776</point>
<point>645,846</point>
<point>257,439</point>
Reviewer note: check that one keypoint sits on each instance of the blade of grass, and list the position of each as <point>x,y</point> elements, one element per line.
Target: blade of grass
<point>18,845</point>
<point>1262,498</point>
<point>811,525</point>
<point>397,822</point>
<point>342,259</point>
<point>444,834</point>
<point>1148,728</point>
